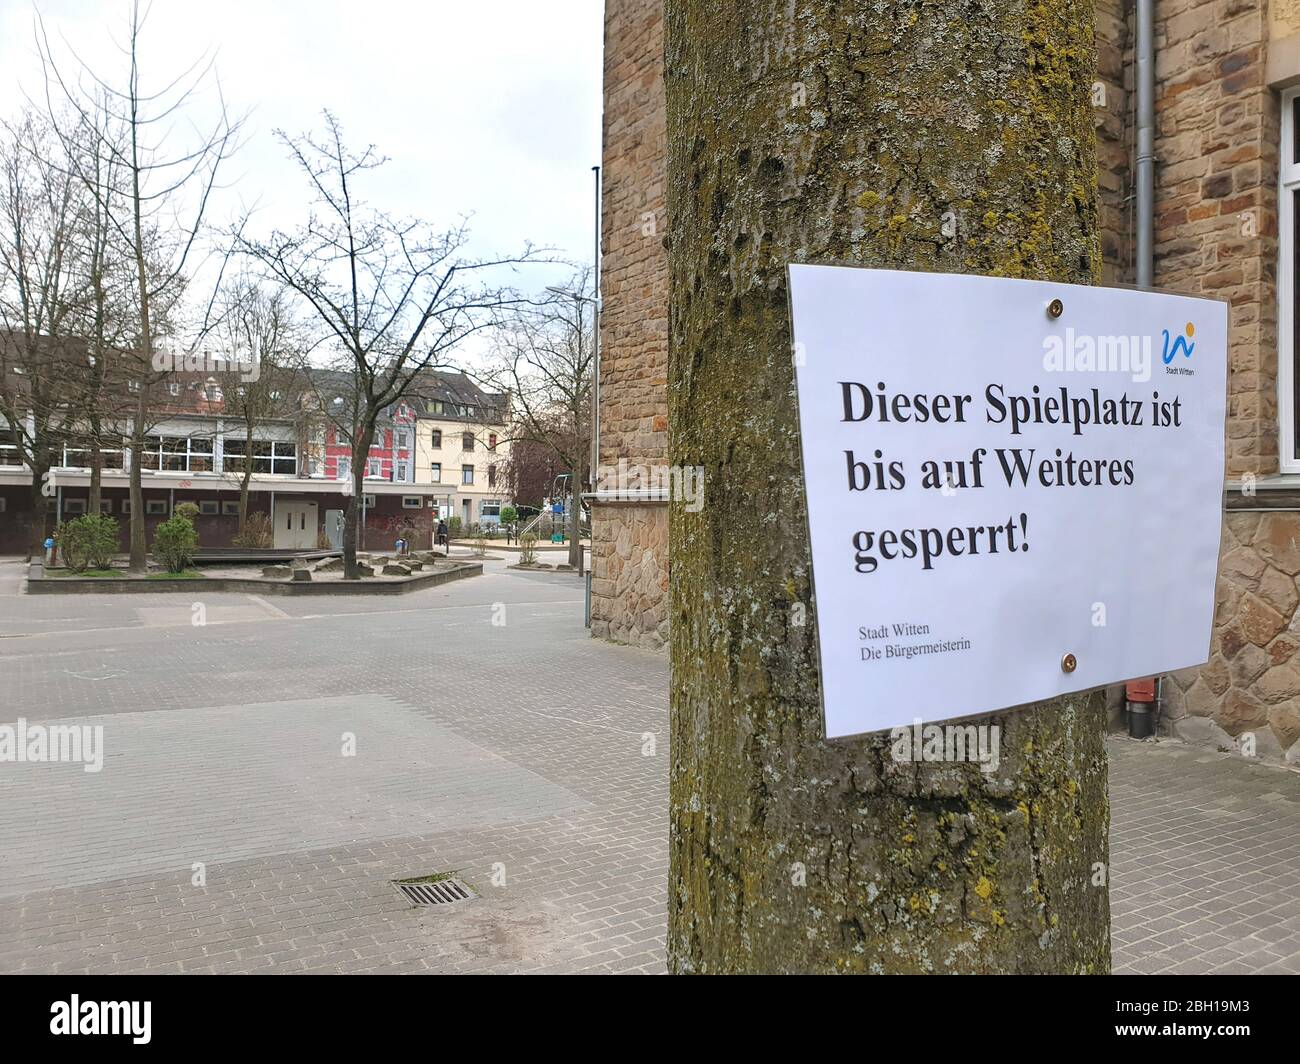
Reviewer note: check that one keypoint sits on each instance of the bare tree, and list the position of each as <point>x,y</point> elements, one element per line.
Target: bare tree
<point>157,211</point>
<point>389,298</point>
<point>42,287</point>
<point>545,358</point>
<point>263,355</point>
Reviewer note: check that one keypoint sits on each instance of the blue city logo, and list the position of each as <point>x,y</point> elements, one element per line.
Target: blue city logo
<point>1183,344</point>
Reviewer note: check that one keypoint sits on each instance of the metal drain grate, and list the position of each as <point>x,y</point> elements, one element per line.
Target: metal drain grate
<point>435,892</point>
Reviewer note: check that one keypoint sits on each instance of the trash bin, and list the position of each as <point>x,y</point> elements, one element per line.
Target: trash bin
<point>1140,702</point>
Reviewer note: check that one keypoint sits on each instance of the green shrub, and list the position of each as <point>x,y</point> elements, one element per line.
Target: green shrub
<point>174,543</point>
<point>186,510</point>
<point>453,528</point>
<point>89,542</point>
<point>509,515</point>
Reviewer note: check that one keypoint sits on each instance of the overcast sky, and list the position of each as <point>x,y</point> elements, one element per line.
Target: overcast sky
<point>488,108</point>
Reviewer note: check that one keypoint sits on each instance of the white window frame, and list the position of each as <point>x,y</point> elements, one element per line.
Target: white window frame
<point>11,450</point>
<point>74,506</point>
<point>412,502</point>
<point>155,507</point>
<point>435,472</point>
<point>70,457</point>
<point>183,451</point>
<point>1288,187</point>
<point>229,509</point>
<point>209,508</point>
<point>282,455</point>
<point>374,467</point>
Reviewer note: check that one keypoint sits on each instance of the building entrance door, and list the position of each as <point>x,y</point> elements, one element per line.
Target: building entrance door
<point>295,525</point>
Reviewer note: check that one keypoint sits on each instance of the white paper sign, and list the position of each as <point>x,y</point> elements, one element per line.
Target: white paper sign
<point>992,488</point>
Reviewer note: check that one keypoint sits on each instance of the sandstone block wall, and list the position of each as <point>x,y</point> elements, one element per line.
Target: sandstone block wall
<point>1216,235</point>
<point>630,543</point>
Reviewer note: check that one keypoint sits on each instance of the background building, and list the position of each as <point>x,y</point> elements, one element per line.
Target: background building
<point>1226,211</point>
<point>461,447</point>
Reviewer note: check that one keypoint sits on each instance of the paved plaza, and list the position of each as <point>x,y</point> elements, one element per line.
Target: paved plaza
<point>268,773</point>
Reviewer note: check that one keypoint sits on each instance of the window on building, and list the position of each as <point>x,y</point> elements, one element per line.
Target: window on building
<point>173,389</point>
<point>126,506</point>
<point>435,439</point>
<point>105,506</point>
<point>492,476</point>
<point>402,443</point>
<point>467,441</point>
<point>9,453</point>
<point>1288,284</point>
<point>74,506</point>
<point>492,441</point>
<point>77,455</point>
<point>374,468</point>
<point>230,509</point>
<point>435,472</point>
<point>411,502</point>
<point>210,507</point>
<point>177,454</point>
<point>345,468</point>
<point>490,509</point>
<point>467,474</point>
<point>268,456</point>
<point>155,506</point>
<point>401,472</point>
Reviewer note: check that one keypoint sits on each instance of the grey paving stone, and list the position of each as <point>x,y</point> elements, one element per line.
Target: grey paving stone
<point>496,751</point>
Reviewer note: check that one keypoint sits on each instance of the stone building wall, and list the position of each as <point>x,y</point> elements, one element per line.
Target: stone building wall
<point>629,587</point>
<point>1216,235</point>
<point>1112,107</point>
<point>1219,65</point>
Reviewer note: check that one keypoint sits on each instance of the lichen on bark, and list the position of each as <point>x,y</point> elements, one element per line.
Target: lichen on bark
<point>940,136</point>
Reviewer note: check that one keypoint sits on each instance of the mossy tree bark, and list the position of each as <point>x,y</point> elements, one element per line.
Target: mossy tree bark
<point>948,137</point>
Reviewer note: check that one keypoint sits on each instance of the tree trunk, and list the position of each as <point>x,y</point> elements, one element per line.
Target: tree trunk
<point>139,562</point>
<point>96,475</point>
<point>944,138</point>
<point>40,511</point>
<point>353,523</point>
<point>246,478</point>
<point>245,481</point>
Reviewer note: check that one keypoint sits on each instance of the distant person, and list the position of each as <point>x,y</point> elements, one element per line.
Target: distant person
<point>442,534</point>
